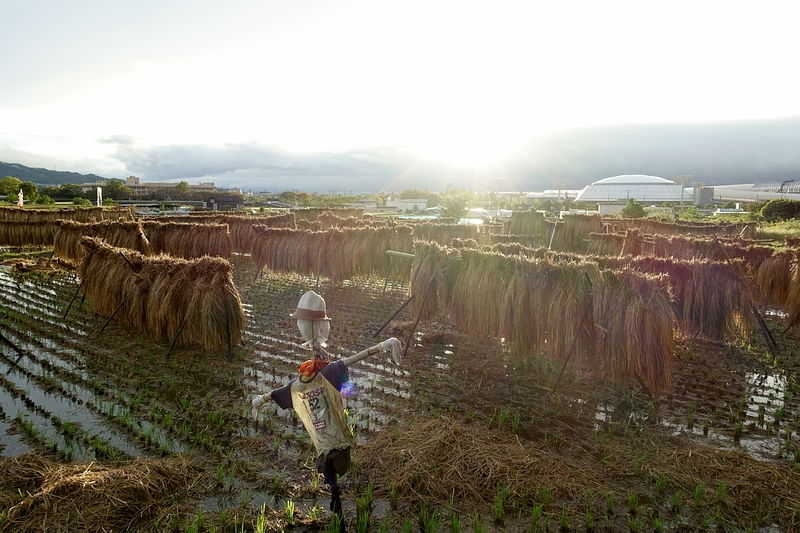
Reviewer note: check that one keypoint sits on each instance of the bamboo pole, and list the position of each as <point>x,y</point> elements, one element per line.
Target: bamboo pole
<point>73,297</point>
<point>114,313</point>
<point>421,305</point>
<point>394,315</point>
<point>16,349</point>
<point>178,334</point>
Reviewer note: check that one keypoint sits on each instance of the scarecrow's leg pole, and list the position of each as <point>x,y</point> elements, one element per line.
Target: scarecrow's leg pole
<point>336,501</point>
<point>318,273</point>
<point>175,340</point>
<point>75,296</point>
<point>114,313</point>
<point>394,315</point>
<point>410,335</point>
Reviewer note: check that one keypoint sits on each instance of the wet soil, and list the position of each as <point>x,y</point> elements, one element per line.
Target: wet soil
<point>79,394</point>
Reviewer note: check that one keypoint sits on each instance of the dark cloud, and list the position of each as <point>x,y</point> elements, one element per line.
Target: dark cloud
<point>757,151</point>
<point>118,139</point>
<point>260,167</point>
<point>716,153</point>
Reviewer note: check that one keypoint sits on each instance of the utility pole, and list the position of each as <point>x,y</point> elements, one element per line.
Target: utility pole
<point>682,180</point>
<point>559,186</point>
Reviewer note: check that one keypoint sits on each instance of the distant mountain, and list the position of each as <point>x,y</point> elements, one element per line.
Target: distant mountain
<point>42,176</point>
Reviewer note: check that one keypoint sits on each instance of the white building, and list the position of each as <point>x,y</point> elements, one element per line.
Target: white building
<point>408,205</point>
<point>555,195</point>
<point>612,194</point>
<point>753,192</point>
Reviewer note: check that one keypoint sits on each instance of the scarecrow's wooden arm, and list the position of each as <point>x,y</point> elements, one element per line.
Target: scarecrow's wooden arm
<point>259,402</point>
<point>389,344</point>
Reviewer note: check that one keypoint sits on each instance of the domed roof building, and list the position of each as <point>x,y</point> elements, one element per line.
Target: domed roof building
<point>643,189</point>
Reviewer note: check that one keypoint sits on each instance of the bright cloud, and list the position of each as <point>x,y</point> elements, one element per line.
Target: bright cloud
<point>466,84</point>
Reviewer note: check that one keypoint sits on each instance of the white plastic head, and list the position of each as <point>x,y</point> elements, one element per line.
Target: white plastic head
<point>314,330</point>
<point>312,319</point>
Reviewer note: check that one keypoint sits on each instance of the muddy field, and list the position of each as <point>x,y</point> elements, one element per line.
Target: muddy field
<point>462,436</point>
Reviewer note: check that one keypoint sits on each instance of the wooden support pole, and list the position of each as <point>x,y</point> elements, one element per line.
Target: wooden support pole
<point>73,297</point>
<point>388,273</point>
<point>13,346</point>
<point>394,315</point>
<point>127,261</point>
<point>228,331</point>
<point>552,235</point>
<point>16,349</point>
<point>114,313</point>
<point>175,340</point>
<point>411,335</point>
<point>399,254</point>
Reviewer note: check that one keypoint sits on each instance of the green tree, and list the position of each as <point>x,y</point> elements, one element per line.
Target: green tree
<point>413,194</point>
<point>289,197</point>
<point>43,199</point>
<point>117,190</point>
<point>780,209</point>
<point>52,191</point>
<point>70,191</point>
<point>754,210</point>
<point>633,209</point>
<point>29,190</point>
<point>691,213</point>
<point>182,190</point>
<point>10,186</point>
<point>83,202</point>
<point>304,199</point>
<point>455,202</point>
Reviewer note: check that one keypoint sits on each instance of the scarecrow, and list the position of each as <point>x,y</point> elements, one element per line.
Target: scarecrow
<point>316,394</point>
<point>20,201</point>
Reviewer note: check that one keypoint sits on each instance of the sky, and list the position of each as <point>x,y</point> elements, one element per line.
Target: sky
<point>357,95</point>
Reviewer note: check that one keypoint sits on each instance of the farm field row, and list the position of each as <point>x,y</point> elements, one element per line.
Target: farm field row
<point>83,393</point>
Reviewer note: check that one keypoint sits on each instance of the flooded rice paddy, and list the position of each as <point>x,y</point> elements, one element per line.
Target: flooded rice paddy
<point>80,394</point>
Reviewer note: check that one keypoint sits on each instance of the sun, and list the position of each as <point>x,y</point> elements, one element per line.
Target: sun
<point>476,149</point>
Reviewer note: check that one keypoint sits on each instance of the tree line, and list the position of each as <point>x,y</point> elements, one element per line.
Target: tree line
<point>72,192</point>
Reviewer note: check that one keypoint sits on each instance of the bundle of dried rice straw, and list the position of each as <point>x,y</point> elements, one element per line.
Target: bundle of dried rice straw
<point>90,496</point>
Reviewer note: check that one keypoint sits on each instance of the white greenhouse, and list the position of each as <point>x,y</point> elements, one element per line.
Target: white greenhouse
<point>643,189</point>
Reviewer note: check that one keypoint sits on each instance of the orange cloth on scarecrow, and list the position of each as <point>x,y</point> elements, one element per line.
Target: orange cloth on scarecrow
<point>311,367</point>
